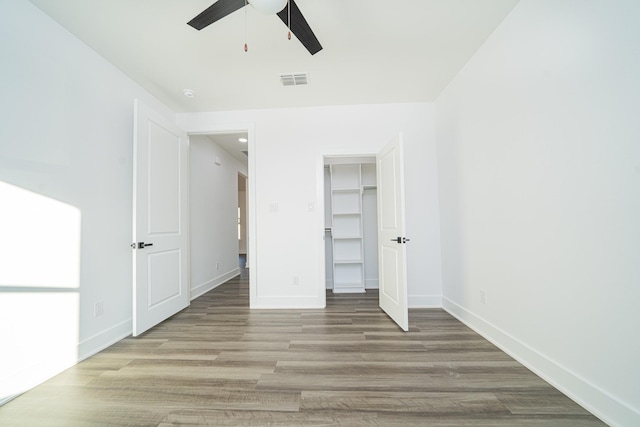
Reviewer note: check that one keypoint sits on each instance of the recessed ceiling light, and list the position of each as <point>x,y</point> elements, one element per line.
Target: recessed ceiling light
<point>243,139</point>
<point>189,93</point>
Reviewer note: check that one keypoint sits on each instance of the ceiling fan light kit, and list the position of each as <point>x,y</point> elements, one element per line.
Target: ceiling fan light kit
<point>268,6</point>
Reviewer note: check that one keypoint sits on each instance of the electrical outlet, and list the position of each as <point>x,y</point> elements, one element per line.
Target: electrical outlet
<point>98,309</point>
<point>296,281</point>
<point>483,296</point>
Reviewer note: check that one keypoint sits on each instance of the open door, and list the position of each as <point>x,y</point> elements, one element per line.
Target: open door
<point>160,220</point>
<point>391,233</point>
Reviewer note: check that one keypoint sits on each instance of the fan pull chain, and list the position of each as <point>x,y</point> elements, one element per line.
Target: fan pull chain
<point>289,18</point>
<point>246,45</point>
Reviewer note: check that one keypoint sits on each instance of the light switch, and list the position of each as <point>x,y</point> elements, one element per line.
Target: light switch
<point>273,207</point>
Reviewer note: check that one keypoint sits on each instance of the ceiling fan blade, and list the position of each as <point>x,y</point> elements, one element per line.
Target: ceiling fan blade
<point>216,11</point>
<point>300,27</point>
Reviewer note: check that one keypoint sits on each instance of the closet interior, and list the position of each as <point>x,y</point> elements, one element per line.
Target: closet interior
<point>351,236</point>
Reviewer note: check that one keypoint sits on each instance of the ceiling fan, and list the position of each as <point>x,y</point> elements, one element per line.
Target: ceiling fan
<point>289,14</point>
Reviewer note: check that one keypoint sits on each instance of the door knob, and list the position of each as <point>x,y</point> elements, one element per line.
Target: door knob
<point>142,245</point>
<point>400,240</point>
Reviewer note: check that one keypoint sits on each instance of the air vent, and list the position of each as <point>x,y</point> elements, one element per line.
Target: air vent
<point>294,79</point>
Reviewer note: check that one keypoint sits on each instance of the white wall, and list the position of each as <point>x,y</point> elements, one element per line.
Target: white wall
<point>66,198</point>
<point>287,170</point>
<point>213,214</point>
<point>539,170</point>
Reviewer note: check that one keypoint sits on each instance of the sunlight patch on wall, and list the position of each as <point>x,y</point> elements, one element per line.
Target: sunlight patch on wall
<point>39,288</point>
<point>40,243</point>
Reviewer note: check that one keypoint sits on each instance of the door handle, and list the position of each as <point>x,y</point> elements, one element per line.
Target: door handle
<point>142,245</point>
<point>400,240</point>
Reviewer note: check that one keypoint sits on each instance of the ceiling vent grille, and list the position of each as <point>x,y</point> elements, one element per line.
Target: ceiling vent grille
<point>294,79</point>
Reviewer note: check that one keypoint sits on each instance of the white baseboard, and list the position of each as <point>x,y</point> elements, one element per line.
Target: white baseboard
<point>205,287</point>
<point>281,302</point>
<point>425,301</point>
<point>368,284</point>
<point>46,368</point>
<point>31,376</point>
<point>7,399</point>
<point>594,399</point>
<point>371,284</point>
<point>104,339</point>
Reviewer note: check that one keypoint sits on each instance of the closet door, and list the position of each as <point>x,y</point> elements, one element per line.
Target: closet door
<point>391,233</point>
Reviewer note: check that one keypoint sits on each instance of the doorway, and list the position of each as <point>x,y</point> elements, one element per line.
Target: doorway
<point>350,233</point>
<point>346,226</point>
<point>218,208</point>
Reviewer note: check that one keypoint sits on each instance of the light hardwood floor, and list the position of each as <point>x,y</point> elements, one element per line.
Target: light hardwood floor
<point>219,363</point>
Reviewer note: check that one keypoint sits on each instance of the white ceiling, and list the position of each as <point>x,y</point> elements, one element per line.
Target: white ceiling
<point>375,51</point>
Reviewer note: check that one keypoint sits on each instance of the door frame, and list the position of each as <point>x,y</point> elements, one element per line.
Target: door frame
<point>320,218</point>
<point>245,226</point>
<point>320,242</point>
<point>249,128</point>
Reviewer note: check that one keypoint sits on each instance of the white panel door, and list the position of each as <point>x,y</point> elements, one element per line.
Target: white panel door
<point>392,263</point>
<point>160,257</point>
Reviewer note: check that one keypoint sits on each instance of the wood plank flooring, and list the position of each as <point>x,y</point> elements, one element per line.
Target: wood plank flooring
<point>219,363</point>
